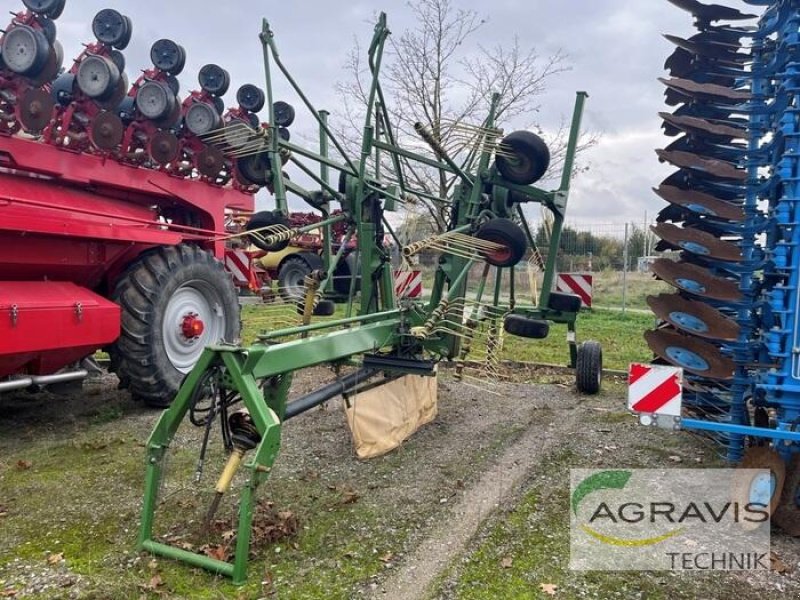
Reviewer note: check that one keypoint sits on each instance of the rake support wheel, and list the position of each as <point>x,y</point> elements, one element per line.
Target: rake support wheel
<point>509,236</point>
<point>522,158</point>
<point>526,327</point>
<point>589,368</point>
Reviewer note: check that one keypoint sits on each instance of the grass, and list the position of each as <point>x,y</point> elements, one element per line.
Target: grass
<point>528,547</point>
<point>619,334</point>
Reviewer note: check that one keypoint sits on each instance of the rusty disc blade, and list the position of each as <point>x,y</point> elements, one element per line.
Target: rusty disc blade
<point>711,166</point>
<point>696,125</point>
<point>210,161</point>
<point>35,110</point>
<point>698,242</point>
<point>163,147</point>
<point>706,48</point>
<point>107,131</point>
<point>711,12</point>
<point>696,318</point>
<point>691,354</point>
<point>693,89</point>
<point>696,280</point>
<point>700,203</point>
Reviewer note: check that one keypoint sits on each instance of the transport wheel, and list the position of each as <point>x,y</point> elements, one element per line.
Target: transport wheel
<point>522,157</point>
<point>525,327</point>
<point>175,301</point>
<point>589,368</point>
<point>763,489</point>
<point>266,219</point>
<point>509,236</point>
<point>564,302</point>
<point>292,274</point>
<point>787,515</point>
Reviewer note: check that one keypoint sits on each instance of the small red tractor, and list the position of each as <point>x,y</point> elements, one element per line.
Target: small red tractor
<point>113,208</point>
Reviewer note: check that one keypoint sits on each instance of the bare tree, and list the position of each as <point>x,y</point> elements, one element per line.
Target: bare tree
<point>431,77</point>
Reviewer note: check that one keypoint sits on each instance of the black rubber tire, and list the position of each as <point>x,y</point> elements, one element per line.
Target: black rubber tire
<point>564,302</point>
<point>49,29</point>
<point>292,272</point>
<point>144,292</point>
<point>214,79</point>
<point>254,169</point>
<point>110,27</point>
<point>508,234</point>
<point>524,158</point>
<point>343,273</point>
<point>589,368</point>
<point>168,56</point>
<point>41,7</point>
<point>251,98</point>
<point>126,39</point>
<point>57,10</point>
<point>525,327</point>
<point>284,114</point>
<point>324,308</point>
<point>265,219</point>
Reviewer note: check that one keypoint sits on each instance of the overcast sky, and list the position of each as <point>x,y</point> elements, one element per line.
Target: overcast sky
<point>614,46</point>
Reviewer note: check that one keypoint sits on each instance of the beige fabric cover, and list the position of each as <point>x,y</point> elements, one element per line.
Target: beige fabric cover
<point>384,417</point>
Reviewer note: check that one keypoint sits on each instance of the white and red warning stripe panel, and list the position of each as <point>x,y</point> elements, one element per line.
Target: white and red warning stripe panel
<point>655,389</point>
<point>408,284</point>
<point>239,265</point>
<point>579,284</point>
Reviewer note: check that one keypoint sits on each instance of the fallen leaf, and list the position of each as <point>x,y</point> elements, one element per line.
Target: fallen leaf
<point>507,562</point>
<point>54,559</point>
<point>9,593</point>
<point>386,557</point>
<point>153,564</point>
<point>776,565</point>
<point>24,465</point>
<point>227,536</point>
<point>217,552</point>
<point>350,497</point>
<point>549,588</point>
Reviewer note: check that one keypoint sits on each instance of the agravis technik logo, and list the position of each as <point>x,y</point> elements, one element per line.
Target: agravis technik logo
<point>675,519</point>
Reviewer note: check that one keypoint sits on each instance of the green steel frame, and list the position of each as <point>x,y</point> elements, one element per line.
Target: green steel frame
<point>261,374</point>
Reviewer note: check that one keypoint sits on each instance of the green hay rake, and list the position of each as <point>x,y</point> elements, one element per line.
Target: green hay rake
<point>385,337</point>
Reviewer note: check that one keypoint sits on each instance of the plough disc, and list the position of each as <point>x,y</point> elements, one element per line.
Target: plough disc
<point>691,354</point>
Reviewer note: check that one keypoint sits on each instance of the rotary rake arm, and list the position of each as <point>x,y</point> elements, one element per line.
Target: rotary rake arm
<point>387,336</point>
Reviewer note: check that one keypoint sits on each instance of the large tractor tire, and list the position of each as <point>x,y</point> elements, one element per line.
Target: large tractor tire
<point>175,301</point>
<point>292,274</point>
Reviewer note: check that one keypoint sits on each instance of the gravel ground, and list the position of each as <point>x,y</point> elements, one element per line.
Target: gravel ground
<point>431,502</point>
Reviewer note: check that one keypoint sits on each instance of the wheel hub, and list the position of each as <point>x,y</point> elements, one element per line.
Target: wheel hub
<point>192,326</point>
